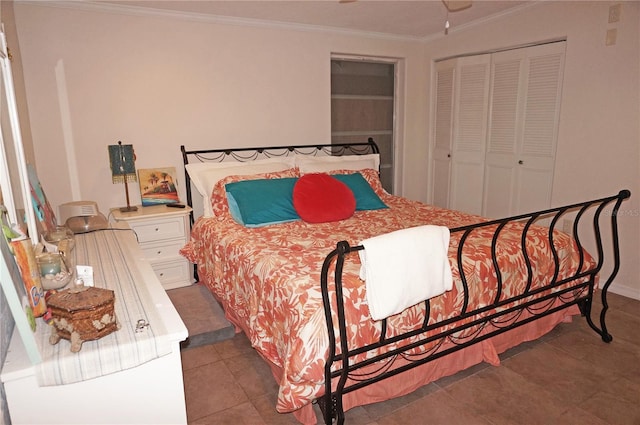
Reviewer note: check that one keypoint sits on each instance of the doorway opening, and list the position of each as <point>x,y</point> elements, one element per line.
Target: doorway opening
<point>363,99</point>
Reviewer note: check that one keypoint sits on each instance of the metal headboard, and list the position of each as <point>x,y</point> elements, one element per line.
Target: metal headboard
<point>251,154</point>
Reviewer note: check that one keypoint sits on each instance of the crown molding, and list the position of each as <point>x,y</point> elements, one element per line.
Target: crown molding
<point>122,9</point>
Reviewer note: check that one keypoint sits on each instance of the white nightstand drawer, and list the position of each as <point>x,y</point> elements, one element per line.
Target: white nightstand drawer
<point>162,250</point>
<point>173,271</point>
<point>168,228</point>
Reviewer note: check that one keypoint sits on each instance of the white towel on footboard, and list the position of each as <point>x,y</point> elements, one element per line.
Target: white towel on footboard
<point>405,267</point>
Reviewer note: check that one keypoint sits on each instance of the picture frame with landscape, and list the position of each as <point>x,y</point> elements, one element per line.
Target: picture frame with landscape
<point>158,186</point>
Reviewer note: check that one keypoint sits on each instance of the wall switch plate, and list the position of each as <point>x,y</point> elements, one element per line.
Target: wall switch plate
<point>612,34</point>
<point>614,13</point>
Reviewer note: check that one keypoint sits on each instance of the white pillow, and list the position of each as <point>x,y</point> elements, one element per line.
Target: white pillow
<point>205,175</point>
<point>325,164</point>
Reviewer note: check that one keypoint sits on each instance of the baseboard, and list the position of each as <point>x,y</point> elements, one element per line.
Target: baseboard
<point>625,290</point>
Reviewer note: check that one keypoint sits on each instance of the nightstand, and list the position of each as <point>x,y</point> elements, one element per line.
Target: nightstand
<point>161,232</point>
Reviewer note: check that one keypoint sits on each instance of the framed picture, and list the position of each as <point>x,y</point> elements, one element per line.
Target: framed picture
<point>45,218</point>
<point>17,298</point>
<point>158,186</point>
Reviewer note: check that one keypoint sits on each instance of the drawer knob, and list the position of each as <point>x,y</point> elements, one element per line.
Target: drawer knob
<point>157,229</point>
<point>159,252</point>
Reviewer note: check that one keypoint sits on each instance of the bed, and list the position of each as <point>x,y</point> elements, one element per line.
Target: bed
<point>292,281</point>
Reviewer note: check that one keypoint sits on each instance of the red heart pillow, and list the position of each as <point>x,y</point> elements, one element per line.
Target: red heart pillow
<point>320,198</point>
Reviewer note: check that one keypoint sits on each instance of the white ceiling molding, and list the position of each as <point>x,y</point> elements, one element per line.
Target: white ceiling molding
<point>124,9</point>
<point>394,29</point>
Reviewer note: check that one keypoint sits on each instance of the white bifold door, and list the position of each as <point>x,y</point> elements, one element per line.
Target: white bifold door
<point>496,120</point>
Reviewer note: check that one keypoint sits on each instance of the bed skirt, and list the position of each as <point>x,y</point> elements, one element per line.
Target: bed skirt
<point>396,386</point>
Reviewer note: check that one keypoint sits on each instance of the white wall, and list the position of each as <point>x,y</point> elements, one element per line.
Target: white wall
<point>599,136</point>
<point>159,82</point>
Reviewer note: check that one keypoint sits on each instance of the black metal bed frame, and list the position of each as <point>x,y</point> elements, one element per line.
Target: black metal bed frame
<point>341,366</point>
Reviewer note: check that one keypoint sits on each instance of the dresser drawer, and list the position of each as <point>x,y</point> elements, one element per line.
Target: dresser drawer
<point>162,250</point>
<point>172,271</point>
<point>157,230</point>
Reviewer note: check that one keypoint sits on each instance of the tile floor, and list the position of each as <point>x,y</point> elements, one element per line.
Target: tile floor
<point>568,377</point>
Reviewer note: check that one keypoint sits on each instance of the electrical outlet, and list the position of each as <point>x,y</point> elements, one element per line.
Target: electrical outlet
<point>614,13</point>
<point>567,226</point>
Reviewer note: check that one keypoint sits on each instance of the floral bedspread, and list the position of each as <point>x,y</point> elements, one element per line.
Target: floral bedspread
<point>268,279</point>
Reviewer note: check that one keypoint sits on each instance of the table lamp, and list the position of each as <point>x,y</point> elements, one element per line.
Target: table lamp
<point>123,169</point>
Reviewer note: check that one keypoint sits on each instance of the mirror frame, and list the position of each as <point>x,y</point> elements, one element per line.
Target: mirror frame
<point>24,185</point>
<point>10,278</point>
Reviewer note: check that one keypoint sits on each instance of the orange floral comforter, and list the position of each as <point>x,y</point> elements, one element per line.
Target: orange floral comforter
<point>268,279</point>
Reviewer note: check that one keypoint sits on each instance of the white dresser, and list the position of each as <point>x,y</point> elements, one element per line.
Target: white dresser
<point>147,392</point>
<point>161,232</point>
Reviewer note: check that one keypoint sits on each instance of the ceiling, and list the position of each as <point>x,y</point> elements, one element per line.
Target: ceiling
<point>407,19</point>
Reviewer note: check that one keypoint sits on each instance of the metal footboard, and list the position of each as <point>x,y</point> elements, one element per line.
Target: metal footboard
<point>345,364</point>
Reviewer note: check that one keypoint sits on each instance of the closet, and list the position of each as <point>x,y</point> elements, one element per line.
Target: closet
<point>362,106</point>
<point>495,130</point>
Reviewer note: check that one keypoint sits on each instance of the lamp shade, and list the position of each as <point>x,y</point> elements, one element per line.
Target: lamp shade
<point>123,169</point>
<point>122,163</point>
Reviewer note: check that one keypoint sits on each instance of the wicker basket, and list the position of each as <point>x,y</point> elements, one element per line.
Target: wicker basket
<point>82,314</point>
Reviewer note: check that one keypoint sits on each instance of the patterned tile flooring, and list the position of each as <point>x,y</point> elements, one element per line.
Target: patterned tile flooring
<point>567,377</point>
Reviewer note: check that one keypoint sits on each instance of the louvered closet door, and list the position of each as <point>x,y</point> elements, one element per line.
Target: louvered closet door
<point>471,94</point>
<point>523,121</point>
<point>443,130</point>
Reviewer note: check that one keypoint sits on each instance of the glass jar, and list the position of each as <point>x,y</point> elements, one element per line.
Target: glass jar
<point>54,270</point>
<point>49,263</point>
<point>58,234</point>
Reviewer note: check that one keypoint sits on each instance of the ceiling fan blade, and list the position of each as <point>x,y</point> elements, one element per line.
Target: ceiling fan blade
<point>457,5</point>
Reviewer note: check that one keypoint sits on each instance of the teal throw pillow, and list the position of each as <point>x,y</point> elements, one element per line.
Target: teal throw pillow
<point>256,203</point>
<point>366,198</point>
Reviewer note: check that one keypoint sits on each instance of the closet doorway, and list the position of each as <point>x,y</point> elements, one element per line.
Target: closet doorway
<point>363,105</point>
